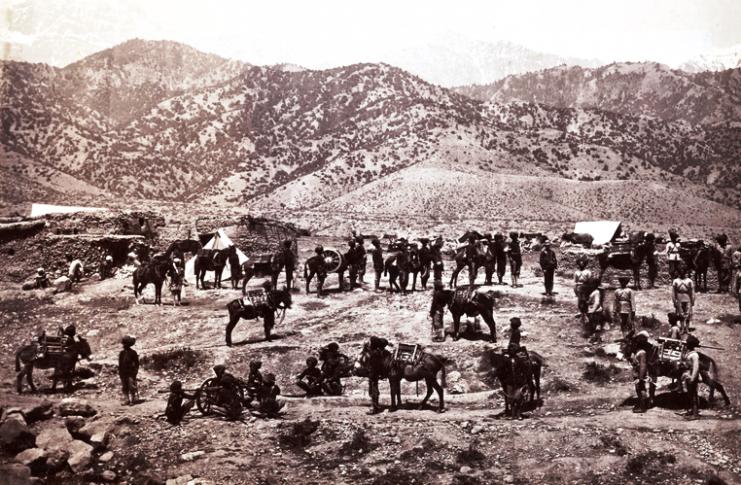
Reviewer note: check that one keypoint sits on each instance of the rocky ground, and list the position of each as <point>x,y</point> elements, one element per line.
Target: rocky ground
<point>583,433</point>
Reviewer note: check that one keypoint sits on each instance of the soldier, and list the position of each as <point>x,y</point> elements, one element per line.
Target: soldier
<point>228,394</point>
<point>106,267</point>
<point>289,262</point>
<point>594,310</point>
<point>691,362</point>
<point>683,298</point>
<point>361,258</point>
<point>177,275</point>
<point>267,397</point>
<point>254,379</point>
<point>75,269</point>
<point>437,309</point>
<point>425,260</point>
<point>673,254</point>
<point>352,263</point>
<point>312,374</point>
<point>378,352</point>
<point>437,259</point>
<point>675,332</point>
<point>653,271</point>
<point>515,258</point>
<point>639,362</point>
<point>128,368</point>
<point>41,280</point>
<point>548,263</point>
<point>321,270</point>
<point>178,404</point>
<point>737,289</point>
<point>471,250</point>
<point>724,268</point>
<point>582,277</point>
<point>625,305</point>
<point>377,256</point>
<point>516,350</point>
<point>500,254</point>
<point>331,370</point>
<point>69,334</point>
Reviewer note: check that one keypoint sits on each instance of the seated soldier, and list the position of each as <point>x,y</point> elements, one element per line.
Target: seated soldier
<point>675,332</point>
<point>267,396</point>
<point>228,395</point>
<point>312,375</point>
<point>68,334</point>
<point>331,369</point>
<point>41,280</point>
<point>254,379</point>
<point>178,404</point>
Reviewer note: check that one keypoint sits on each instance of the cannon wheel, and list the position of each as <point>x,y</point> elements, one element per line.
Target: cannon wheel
<point>333,259</point>
<point>207,395</point>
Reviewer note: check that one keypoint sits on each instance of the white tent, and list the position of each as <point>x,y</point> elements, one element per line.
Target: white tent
<point>42,209</point>
<point>219,241</point>
<point>602,231</point>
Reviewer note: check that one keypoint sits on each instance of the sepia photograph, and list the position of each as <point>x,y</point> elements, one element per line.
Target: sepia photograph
<point>370,243</point>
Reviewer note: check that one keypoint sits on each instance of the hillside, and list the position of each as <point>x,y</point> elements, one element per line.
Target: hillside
<point>161,121</point>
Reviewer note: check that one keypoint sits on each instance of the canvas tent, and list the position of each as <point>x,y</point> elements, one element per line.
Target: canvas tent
<point>43,209</point>
<point>219,241</point>
<point>602,231</point>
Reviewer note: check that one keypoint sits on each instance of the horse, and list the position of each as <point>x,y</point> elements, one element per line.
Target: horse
<point>210,260</point>
<point>658,367</point>
<point>632,261</point>
<point>472,302</point>
<point>376,365</point>
<point>512,373</point>
<point>314,263</point>
<point>397,267</point>
<point>702,260</point>
<point>63,364</point>
<point>153,272</point>
<point>584,239</point>
<point>276,299</point>
<point>471,257</point>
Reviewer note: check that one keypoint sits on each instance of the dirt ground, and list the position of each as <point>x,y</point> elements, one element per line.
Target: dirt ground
<point>583,433</point>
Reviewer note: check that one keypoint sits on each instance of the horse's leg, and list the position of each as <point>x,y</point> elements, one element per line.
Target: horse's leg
<point>268,323</point>
<point>393,383</point>
<point>274,278</point>
<point>456,325</point>
<point>308,279</point>
<point>536,374</point>
<point>440,393</point>
<point>637,275</point>
<point>233,320</point>
<point>454,276</point>
<point>430,382</point>
<point>19,382</point>
<point>489,319</point>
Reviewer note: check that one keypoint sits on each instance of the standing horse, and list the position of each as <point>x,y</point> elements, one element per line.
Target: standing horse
<point>153,272</point>
<point>210,260</point>
<point>397,268</point>
<point>312,265</point>
<point>632,261</point>
<point>472,303</point>
<point>658,367</point>
<point>512,374</point>
<point>378,365</point>
<point>63,364</point>
<point>473,257</point>
<point>276,299</point>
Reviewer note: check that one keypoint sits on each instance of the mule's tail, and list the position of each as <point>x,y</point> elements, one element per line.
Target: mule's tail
<point>443,383</point>
<point>18,361</point>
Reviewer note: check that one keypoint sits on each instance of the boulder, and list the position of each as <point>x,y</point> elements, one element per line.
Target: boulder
<point>54,438</point>
<point>62,284</point>
<point>108,475</point>
<point>38,412</point>
<point>16,436</point>
<point>95,433</point>
<point>182,480</point>
<point>74,424</point>
<point>80,456</point>
<point>106,457</point>
<point>30,456</point>
<point>16,474</point>
<point>56,461</point>
<point>76,407</point>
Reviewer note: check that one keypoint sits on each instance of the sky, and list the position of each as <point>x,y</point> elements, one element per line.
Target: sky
<point>320,34</point>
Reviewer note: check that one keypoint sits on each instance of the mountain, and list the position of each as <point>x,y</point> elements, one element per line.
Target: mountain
<point>161,121</point>
<point>634,89</point>
<point>720,60</point>
<point>454,60</point>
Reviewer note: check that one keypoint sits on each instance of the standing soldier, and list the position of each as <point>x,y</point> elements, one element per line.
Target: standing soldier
<point>683,298</point>
<point>352,262</point>
<point>377,256</point>
<point>425,260</point>
<point>691,361</point>
<point>437,259</point>
<point>639,362</point>
<point>724,269</point>
<point>581,278</point>
<point>128,368</point>
<point>439,300</point>
<point>515,258</point>
<point>549,263</point>
<point>471,251</point>
<point>594,309</point>
<point>289,263</point>
<point>321,271</point>
<point>106,267</point>
<point>625,305</point>
<point>500,253</point>
<point>653,270</point>
<point>672,254</point>
<point>362,260</point>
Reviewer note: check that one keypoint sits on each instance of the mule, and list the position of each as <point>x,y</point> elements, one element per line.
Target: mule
<point>153,272</point>
<point>276,300</point>
<point>210,260</point>
<point>312,268</point>
<point>515,375</point>
<point>631,261</point>
<point>26,358</point>
<point>378,364</point>
<point>269,265</point>
<point>472,302</point>
<point>473,257</point>
<point>657,367</point>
